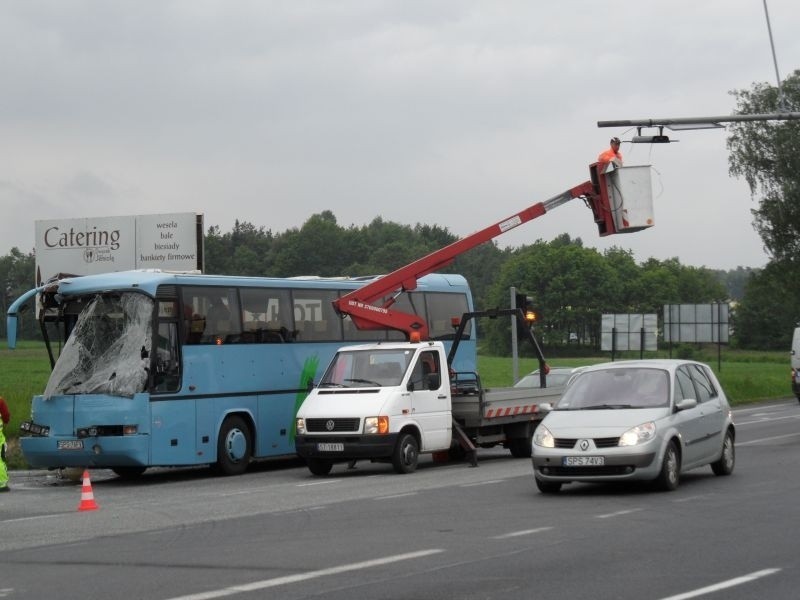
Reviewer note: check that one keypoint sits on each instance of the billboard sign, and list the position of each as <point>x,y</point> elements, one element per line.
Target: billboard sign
<point>629,332</point>
<point>696,323</point>
<point>88,246</point>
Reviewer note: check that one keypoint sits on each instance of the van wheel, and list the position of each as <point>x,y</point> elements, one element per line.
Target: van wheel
<point>319,466</point>
<point>406,454</point>
<point>520,447</point>
<point>670,475</point>
<point>234,446</point>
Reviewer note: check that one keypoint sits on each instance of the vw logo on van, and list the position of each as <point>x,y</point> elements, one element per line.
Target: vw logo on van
<point>330,425</point>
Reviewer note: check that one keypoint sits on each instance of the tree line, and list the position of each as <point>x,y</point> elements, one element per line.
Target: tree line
<point>571,285</point>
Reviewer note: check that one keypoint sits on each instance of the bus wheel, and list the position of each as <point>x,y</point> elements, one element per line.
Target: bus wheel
<point>233,446</point>
<point>406,454</point>
<point>319,466</point>
<point>129,473</point>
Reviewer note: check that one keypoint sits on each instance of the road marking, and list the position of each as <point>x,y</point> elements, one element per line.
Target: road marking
<point>767,439</point>
<point>723,585</point>
<point>326,482</point>
<point>619,513</point>
<point>32,518</point>
<point>767,420</point>
<point>490,482</point>
<point>269,583</point>
<point>519,533</point>
<point>396,496</point>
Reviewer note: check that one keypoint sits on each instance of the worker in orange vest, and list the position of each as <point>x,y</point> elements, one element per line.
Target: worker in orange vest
<point>5,417</point>
<point>612,155</point>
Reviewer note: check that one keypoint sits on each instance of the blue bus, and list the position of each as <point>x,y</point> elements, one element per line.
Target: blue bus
<point>174,369</point>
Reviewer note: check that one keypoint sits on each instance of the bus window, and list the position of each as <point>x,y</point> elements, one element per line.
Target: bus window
<point>266,315</point>
<point>314,317</point>
<point>211,315</point>
<point>442,308</point>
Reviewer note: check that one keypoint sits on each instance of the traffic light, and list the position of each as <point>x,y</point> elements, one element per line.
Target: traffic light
<point>531,314</point>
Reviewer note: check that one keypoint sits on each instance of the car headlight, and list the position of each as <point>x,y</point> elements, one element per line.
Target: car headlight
<point>638,435</point>
<point>542,437</point>
<point>300,426</point>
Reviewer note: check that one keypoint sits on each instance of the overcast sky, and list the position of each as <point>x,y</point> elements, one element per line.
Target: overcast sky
<point>458,113</point>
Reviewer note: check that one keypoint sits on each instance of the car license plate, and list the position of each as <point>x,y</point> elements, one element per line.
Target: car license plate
<point>330,447</point>
<point>584,461</point>
<point>70,444</point>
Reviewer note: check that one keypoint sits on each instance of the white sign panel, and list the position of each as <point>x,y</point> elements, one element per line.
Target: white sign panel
<point>89,246</point>
<point>629,332</point>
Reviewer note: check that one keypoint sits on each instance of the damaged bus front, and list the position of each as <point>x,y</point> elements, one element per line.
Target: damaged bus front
<point>95,408</point>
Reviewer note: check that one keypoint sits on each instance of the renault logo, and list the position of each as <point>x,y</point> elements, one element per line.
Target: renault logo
<point>584,445</point>
<point>330,425</point>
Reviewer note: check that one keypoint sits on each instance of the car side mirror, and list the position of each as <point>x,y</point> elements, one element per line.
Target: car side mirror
<point>545,407</point>
<point>685,404</point>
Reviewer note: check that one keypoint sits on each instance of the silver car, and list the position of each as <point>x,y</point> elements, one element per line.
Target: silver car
<point>556,377</point>
<point>645,420</point>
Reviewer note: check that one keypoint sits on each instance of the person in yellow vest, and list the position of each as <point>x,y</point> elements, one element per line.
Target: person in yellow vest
<point>5,417</point>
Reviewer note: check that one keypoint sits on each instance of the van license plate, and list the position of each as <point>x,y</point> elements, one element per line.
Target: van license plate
<point>584,461</point>
<point>70,444</point>
<point>330,447</point>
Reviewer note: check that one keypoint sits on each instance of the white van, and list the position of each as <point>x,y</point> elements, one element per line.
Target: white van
<point>795,355</point>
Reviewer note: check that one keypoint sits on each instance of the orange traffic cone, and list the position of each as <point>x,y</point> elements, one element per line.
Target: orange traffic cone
<point>87,496</point>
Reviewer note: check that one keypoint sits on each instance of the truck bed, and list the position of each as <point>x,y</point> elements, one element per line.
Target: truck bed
<point>503,405</point>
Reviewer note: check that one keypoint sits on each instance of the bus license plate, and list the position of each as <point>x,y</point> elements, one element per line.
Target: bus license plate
<point>584,461</point>
<point>70,444</point>
<point>330,447</point>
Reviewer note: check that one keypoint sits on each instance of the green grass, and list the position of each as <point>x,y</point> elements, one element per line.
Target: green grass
<point>745,376</point>
<point>23,374</point>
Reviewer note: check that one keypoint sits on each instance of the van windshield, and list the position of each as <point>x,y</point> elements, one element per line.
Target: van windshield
<point>107,351</point>
<point>367,368</point>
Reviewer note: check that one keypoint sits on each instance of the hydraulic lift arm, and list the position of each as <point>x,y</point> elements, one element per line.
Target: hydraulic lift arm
<point>361,305</point>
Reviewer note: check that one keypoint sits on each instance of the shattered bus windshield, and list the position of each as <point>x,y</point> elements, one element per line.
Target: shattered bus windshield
<point>107,350</point>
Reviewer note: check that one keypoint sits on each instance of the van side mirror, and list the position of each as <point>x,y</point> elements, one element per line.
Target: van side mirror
<point>434,381</point>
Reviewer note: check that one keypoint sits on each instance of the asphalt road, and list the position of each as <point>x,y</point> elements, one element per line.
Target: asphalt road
<point>446,531</point>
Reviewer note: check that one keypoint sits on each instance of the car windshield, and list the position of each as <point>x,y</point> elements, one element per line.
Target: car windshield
<point>367,368</point>
<point>635,387</point>
<point>554,379</point>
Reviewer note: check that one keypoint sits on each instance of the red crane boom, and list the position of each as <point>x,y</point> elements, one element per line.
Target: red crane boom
<point>361,305</point>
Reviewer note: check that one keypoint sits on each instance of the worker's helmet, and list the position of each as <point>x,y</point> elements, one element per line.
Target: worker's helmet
<point>615,140</point>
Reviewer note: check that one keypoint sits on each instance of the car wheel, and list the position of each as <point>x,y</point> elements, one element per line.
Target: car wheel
<point>319,466</point>
<point>406,454</point>
<point>670,475</point>
<point>233,446</point>
<point>724,466</point>
<point>548,487</point>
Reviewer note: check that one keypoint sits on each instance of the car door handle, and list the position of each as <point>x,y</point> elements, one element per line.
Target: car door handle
<point>441,397</point>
